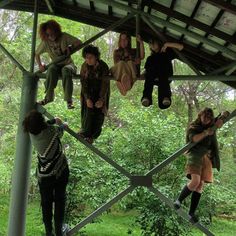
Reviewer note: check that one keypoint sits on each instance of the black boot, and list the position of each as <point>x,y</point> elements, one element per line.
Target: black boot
<point>194,203</point>
<point>184,193</point>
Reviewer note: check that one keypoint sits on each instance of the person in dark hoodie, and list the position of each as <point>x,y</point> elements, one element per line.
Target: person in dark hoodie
<point>52,169</point>
<point>95,93</point>
<point>201,158</point>
<point>158,70</point>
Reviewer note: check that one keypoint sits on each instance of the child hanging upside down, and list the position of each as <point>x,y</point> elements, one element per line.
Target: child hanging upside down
<point>201,158</point>
<point>95,93</point>
<point>158,69</point>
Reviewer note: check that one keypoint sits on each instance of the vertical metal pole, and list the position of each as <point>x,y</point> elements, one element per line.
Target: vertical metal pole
<point>20,178</point>
<point>138,33</point>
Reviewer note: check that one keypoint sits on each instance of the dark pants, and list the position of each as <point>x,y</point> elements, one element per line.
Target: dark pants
<point>163,87</point>
<point>54,190</point>
<point>53,73</point>
<point>92,120</point>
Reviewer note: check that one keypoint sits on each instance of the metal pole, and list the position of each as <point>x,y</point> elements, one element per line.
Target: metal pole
<point>180,212</point>
<point>223,68</point>
<point>8,54</point>
<point>172,26</point>
<point>88,145</point>
<point>181,56</point>
<point>20,178</point>
<point>111,27</point>
<point>100,210</point>
<point>182,150</point>
<point>138,33</point>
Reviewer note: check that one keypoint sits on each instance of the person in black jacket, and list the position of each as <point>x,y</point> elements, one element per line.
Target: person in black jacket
<point>158,69</point>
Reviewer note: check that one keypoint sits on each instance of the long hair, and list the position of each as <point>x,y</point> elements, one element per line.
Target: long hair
<point>34,122</point>
<point>128,38</point>
<point>52,25</point>
<point>208,112</point>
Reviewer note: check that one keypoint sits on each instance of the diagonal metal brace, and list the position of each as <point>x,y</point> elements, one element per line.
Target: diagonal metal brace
<point>180,212</point>
<point>182,150</point>
<point>42,110</point>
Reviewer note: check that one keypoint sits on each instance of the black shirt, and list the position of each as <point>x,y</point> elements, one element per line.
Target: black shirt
<point>160,62</point>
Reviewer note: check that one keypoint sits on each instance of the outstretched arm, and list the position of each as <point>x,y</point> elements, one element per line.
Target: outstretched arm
<point>178,46</point>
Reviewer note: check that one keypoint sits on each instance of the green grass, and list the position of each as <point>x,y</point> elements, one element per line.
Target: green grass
<point>112,224</point>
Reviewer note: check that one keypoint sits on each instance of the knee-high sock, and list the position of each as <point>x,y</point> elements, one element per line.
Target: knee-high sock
<point>184,193</point>
<point>194,202</point>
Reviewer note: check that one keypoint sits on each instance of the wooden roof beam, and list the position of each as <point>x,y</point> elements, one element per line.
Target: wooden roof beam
<point>223,5</point>
<point>187,20</point>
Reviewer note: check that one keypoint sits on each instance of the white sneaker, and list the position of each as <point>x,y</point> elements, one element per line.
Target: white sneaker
<point>166,101</point>
<point>145,102</point>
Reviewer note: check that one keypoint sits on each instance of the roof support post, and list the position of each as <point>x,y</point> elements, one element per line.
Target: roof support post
<point>172,26</point>
<point>138,33</point>
<point>20,179</point>
<point>50,7</point>
<point>223,68</point>
<point>163,38</point>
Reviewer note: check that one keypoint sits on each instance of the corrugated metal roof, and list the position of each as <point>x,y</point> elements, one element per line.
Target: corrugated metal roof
<point>206,27</point>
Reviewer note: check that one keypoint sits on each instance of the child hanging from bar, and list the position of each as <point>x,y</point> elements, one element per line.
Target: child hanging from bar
<point>95,93</point>
<point>52,171</point>
<point>126,64</point>
<point>201,158</point>
<point>158,70</point>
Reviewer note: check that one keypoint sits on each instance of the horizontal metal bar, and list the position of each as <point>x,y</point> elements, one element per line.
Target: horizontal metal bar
<point>88,145</point>
<point>8,54</point>
<point>175,77</point>
<point>180,211</point>
<point>223,68</point>
<point>100,210</point>
<point>182,150</point>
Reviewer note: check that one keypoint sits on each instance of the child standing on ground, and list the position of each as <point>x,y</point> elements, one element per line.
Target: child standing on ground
<point>52,170</point>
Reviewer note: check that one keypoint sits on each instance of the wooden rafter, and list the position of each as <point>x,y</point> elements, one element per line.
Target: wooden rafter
<point>187,20</point>
<point>223,5</point>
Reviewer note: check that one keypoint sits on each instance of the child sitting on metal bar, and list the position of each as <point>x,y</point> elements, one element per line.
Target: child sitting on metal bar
<point>95,93</point>
<point>52,170</point>
<point>158,70</point>
<point>125,63</point>
<point>57,43</point>
<point>201,158</point>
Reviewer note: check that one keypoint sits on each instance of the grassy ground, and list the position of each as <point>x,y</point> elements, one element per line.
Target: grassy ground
<point>113,224</point>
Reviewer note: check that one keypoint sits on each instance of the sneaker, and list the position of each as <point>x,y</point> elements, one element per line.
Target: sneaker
<point>70,105</point>
<point>43,102</point>
<point>145,102</point>
<point>166,101</point>
<point>65,229</point>
<point>89,140</point>
<point>177,204</point>
<point>193,218</point>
